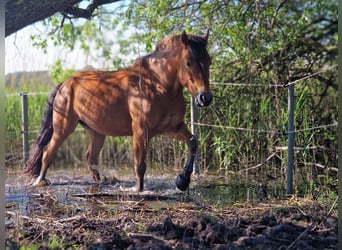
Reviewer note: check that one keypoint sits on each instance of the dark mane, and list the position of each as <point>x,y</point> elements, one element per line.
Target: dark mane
<point>197,44</point>
<point>170,41</point>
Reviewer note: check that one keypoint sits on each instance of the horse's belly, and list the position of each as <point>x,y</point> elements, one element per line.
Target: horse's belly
<point>164,122</point>
<point>108,118</point>
<point>109,123</point>
<point>103,109</point>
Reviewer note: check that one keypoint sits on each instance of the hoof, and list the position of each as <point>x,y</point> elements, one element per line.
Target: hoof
<point>139,188</point>
<point>96,177</point>
<point>41,183</point>
<point>95,173</point>
<point>182,181</point>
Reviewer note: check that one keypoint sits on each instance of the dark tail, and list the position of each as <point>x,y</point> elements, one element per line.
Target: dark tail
<point>34,163</point>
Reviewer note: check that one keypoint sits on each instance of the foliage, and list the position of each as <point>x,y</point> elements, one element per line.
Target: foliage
<point>97,37</point>
<point>58,73</point>
<point>262,45</point>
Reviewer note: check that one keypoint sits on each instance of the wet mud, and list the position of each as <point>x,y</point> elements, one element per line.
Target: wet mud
<point>76,214</point>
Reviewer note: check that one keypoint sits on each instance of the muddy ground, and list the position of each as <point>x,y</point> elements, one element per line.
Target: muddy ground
<point>73,213</point>
<point>60,217</point>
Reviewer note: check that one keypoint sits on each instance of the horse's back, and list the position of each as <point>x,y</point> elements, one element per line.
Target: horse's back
<point>109,101</point>
<point>98,99</point>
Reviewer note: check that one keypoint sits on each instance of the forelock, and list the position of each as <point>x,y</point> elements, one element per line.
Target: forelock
<point>197,44</point>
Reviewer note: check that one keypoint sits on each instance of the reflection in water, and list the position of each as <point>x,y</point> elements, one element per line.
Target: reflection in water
<point>230,193</point>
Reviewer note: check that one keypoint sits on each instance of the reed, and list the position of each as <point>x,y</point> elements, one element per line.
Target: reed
<point>224,149</point>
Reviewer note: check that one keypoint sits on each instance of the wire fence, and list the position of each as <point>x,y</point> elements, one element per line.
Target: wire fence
<point>14,135</point>
<point>284,85</point>
<point>265,131</point>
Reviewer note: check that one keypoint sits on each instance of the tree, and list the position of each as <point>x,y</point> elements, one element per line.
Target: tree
<point>19,14</point>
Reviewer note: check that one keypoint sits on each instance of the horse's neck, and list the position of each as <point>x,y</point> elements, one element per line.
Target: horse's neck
<point>161,71</point>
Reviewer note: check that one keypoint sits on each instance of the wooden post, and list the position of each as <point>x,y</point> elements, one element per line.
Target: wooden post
<point>24,127</point>
<point>194,119</point>
<point>290,140</point>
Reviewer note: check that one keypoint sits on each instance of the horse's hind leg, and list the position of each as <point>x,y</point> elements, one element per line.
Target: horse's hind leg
<point>140,143</point>
<point>92,156</point>
<point>63,127</point>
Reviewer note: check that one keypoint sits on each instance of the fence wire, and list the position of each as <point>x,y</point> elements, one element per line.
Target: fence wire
<point>232,84</point>
<point>226,127</point>
<point>264,131</point>
<point>283,85</point>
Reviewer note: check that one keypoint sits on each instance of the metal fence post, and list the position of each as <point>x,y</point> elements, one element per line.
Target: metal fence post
<point>290,140</point>
<point>24,128</point>
<point>194,119</point>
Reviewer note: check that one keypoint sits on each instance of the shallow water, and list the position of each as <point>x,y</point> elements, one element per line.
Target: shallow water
<point>71,191</point>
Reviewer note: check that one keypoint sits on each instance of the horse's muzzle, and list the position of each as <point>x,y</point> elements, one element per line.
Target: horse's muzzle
<point>203,99</point>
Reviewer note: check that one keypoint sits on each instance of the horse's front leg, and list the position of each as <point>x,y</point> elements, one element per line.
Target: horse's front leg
<point>183,179</point>
<point>182,133</point>
<point>140,144</point>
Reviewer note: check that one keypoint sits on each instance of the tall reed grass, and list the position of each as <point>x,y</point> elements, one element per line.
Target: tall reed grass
<point>257,153</point>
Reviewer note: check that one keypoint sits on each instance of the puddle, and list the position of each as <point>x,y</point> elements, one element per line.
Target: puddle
<point>72,192</point>
<point>228,194</point>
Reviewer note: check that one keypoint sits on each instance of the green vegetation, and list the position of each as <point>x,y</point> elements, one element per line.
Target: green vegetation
<point>262,45</point>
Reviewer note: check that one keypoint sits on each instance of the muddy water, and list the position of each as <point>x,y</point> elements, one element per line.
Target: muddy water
<point>71,191</point>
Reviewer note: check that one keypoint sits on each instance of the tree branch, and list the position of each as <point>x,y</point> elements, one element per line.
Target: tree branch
<point>88,12</point>
<point>276,12</point>
<point>19,14</point>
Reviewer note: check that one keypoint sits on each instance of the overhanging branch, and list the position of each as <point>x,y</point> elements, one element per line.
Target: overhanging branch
<point>87,13</point>
<point>19,14</point>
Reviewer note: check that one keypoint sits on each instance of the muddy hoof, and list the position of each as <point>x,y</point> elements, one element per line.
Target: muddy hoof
<point>41,183</point>
<point>182,181</point>
<point>96,176</point>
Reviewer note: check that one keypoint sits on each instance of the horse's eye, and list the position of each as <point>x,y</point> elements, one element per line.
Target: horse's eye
<point>188,63</point>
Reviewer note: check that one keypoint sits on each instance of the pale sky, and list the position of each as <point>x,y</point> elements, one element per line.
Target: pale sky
<point>20,55</point>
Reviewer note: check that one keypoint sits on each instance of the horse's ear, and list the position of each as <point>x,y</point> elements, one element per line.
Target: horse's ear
<point>185,38</point>
<point>206,36</point>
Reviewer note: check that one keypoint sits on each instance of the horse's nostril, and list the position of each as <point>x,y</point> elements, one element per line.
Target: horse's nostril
<point>203,98</point>
<point>206,98</point>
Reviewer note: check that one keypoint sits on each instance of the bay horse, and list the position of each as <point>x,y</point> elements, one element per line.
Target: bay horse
<point>144,100</point>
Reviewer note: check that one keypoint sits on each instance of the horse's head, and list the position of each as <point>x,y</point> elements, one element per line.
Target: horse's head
<point>194,65</point>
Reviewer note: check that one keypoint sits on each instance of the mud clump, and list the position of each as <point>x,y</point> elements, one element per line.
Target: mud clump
<point>276,224</point>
